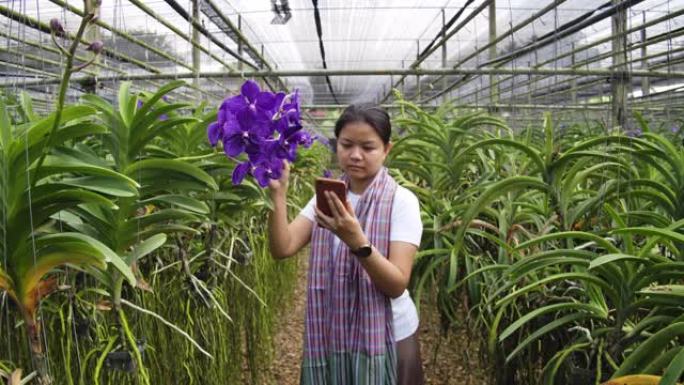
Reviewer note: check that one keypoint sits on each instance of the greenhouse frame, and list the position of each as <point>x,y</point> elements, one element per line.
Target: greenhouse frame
<point>544,141</point>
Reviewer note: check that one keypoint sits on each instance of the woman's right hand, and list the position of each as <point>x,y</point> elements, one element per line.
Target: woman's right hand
<point>279,186</point>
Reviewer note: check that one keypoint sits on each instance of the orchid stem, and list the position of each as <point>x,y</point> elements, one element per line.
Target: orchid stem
<point>63,86</point>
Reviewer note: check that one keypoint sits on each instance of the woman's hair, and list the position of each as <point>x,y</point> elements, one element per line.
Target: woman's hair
<point>370,114</point>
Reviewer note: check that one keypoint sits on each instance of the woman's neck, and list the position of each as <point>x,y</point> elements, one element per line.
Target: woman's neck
<point>358,186</point>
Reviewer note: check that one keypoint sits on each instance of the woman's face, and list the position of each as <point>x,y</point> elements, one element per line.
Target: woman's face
<point>360,151</point>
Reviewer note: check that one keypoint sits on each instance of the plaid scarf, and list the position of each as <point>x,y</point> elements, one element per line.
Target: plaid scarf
<point>348,338</point>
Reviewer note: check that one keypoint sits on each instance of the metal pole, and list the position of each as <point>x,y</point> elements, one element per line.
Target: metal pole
<point>539,44</point>
<point>573,81</point>
<point>417,75</point>
<point>493,92</point>
<point>239,43</point>
<point>195,49</point>
<point>645,86</point>
<point>444,51</point>
<point>385,72</point>
<point>618,81</point>
<point>93,34</point>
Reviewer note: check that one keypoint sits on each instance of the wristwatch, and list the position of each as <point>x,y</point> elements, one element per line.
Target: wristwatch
<point>363,252</point>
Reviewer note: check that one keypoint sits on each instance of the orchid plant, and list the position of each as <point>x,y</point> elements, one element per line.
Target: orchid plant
<point>266,126</point>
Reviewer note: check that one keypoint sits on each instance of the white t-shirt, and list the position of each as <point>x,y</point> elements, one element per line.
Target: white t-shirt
<point>405,226</point>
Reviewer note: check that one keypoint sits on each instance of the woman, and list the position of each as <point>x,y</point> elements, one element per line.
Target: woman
<point>360,320</point>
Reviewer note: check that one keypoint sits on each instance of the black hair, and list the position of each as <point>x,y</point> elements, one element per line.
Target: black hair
<point>370,114</point>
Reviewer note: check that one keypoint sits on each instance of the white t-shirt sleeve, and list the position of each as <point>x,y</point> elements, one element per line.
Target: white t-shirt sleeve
<point>406,225</point>
<point>308,211</point>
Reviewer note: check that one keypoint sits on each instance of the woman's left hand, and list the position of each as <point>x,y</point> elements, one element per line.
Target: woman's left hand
<point>343,222</point>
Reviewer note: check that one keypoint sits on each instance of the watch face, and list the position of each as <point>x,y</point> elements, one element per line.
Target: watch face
<point>363,251</point>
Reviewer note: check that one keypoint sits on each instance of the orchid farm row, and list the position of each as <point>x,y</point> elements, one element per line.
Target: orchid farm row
<point>130,254</point>
<point>561,248</point>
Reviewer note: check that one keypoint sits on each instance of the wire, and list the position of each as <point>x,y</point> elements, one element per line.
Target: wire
<point>319,31</point>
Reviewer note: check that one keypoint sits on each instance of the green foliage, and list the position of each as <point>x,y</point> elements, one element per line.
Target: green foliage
<point>567,249</point>
<point>150,252</point>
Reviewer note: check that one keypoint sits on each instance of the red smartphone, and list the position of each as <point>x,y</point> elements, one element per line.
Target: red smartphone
<point>326,184</point>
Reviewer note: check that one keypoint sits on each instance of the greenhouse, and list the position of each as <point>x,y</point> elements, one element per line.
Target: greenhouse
<point>342,192</point>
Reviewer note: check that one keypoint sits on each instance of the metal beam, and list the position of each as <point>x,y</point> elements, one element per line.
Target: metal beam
<point>390,72</point>
<point>651,40</point>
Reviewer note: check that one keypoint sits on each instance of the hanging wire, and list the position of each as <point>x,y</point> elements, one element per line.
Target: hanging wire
<point>669,66</point>
<point>4,304</point>
<point>513,112</point>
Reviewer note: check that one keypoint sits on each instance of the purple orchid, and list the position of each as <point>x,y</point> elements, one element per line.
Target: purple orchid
<point>327,174</point>
<point>241,171</point>
<point>256,105</point>
<point>268,168</point>
<point>264,125</point>
<point>239,138</point>
<point>289,140</point>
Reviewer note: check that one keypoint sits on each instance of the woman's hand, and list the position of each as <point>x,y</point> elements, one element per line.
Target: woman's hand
<point>279,186</point>
<point>343,222</point>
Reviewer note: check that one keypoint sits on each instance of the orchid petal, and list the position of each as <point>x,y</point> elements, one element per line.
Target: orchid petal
<point>214,133</point>
<point>240,172</point>
<point>250,90</point>
<point>266,101</point>
<point>233,145</point>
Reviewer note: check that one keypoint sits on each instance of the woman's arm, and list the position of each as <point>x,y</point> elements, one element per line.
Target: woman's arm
<point>390,274</point>
<point>285,239</point>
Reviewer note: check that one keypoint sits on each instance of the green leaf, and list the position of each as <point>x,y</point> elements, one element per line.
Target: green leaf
<point>171,167</point>
<point>652,231</point>
<point>610,258</point>
<point>647,350</point>
<point>103,184</point>
<point>544,330</point>
<point>145,247</point>
<point>57,164</point>
<point>6,282</point>
<point>27,106</point>
<point>181,201</point>
<point>558,307</point>
<point>5,126</point>
<point>491,193</point>
<point>126,103</point>
<point>569,235</point>
<point>163,90</point>
<point>674,370</point>
<point>675,293</point>
<point>539,284</point>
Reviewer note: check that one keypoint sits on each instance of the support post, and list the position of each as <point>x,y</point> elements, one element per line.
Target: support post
<point>645,82</point>
<point>618,80</point>
<point>93,33</point>
<point>444,54</point>
<point>493,86</point>
<point>195,48</point>
<point>417,76</point>
<point>239,42</point>
<point>573,80</point>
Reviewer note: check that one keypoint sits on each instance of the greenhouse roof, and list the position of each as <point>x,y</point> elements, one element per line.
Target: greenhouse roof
<point>337,52</point>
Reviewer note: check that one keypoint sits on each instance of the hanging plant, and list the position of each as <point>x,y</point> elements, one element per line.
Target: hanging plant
<point>266,126</point>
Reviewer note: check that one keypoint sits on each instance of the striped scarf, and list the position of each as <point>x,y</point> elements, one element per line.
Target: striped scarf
<point>348,338</point>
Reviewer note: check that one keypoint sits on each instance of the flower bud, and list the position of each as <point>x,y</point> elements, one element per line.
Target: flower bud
<point>57,27</point>
<point>96,47</point>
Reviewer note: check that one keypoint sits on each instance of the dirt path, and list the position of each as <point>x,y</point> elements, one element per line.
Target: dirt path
<point>447,360</point>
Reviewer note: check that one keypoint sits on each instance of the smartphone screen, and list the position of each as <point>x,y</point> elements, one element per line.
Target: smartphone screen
<point>326,184</point>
